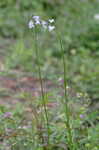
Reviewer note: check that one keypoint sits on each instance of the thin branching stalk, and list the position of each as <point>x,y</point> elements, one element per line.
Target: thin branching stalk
<point>67,112</point>
<point>41,83</point>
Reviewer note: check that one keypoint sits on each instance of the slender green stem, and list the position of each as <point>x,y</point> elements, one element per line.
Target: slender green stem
<point>67,112</point>
<point>41,82</point>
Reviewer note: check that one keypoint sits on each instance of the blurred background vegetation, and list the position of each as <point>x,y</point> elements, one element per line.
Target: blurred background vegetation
<point>80,33</point>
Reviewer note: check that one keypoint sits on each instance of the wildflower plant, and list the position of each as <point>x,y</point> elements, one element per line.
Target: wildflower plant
<point>34,23</point>
<point>46,25</point>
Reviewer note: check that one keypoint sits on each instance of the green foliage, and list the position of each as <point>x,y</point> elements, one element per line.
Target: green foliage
<point>21,57</point>
<point>79,30</point>
<point>14,16</point>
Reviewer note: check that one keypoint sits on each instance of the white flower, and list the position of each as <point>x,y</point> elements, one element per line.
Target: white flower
<point>67,87</point>
<point>96,16</point>
<point>36,18</point>
<point>44,24</point>
<point>37,22</point>
<point>79,95</point>
<point>51,28</point>
<point>51,20</point>
<point>31,24</point>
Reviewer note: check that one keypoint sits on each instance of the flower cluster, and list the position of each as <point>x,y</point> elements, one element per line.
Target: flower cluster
<point>7,115</point>
<point>44,24</point>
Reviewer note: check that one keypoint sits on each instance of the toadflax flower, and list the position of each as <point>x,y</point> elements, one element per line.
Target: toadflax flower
<point>51,20</point>
<point>31,24</point>
<point>36,20</point>
<point>43,24</point>
<point>50,28</point>
<point>7,115</point>
<point>81,116</point>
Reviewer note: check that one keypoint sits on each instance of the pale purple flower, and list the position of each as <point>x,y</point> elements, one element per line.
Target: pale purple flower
<point>81,116</point>
<point>44,24</point>
<point>36,18</point>
<point>7,115</point>
<point>51,28</point>
<point>31,24</point>
<point>51,20</point>
<point>37,22</point>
